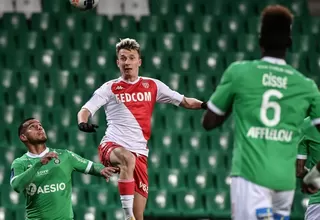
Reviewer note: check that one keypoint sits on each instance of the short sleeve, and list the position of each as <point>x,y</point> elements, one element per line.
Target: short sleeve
<point>221,100</point>
<point>314,110</point>
<point>167,95</point>
<point>79,163</point>
<point>303,149</point>
<point>99,98</point>
<point>17,168</point>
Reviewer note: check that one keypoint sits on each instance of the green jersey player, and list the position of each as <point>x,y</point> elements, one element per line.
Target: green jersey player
<point>44,174</point>
<point>269,100</point>
<point>308,156</point>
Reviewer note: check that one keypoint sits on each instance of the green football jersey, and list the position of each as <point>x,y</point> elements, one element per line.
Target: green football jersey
<point>48,196</point>
<point>270,100</point>
<point>309,149</point>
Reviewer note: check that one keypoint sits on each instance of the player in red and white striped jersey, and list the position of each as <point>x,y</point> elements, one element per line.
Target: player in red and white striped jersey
<point>128,103</point>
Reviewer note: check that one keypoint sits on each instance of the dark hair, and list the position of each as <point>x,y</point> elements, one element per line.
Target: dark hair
<point>275,32</point>
<point>21,125</point>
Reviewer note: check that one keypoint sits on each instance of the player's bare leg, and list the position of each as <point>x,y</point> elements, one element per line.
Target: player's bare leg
<point>126,161</point>
<point>139,205</point>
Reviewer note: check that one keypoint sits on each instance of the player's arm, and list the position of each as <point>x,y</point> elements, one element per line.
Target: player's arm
<point>99,98</point>
<point>21,178</point>
<point>302,156</point>
<point>220,103</point>
<point>192,103</point>
<point>85,166</point>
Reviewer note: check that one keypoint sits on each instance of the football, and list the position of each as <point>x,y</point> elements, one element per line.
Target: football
<point>84,4</point>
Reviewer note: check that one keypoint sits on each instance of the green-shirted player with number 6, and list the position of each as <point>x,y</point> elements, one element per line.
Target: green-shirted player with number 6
<point>269,100</point>
<point>44,175</point>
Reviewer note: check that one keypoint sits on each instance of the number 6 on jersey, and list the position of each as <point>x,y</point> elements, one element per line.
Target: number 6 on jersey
<point>267,104</point>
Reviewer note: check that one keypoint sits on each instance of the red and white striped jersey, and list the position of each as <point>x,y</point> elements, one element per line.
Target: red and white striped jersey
<point>128,107</point>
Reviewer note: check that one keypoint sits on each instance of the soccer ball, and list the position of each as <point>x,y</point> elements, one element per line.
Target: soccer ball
<point>83,4</point>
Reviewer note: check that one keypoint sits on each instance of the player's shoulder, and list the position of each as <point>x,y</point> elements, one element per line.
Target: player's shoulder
<point>111,82</point>
<point>59,151</point>
<point>20,160</point>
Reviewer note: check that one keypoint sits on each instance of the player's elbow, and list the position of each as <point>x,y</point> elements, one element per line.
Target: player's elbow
<point>16,188</point>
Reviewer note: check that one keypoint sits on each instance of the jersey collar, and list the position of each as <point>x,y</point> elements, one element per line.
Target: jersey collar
<point>274,60</point>
<point>29,154</point>
<point>120,78</point>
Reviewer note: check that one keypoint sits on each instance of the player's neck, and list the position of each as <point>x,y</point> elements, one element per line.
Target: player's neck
<point>274,53</point>
<point>37,148</point>
<point>130,78</point>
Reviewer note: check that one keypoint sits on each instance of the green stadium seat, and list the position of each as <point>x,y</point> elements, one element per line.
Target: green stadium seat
<point>102,197</point>
<point>156,62</point>
<point>202,85</point>
<point>211,160</point>
<point>237,56</point>
<point>167,141</point>
<point>299,62</point>
<point>200,180</point>
<point>243,8</point>
<point>85,212</point>
<point>19,213</point>
<point>189,8</point>
<point>45,59</point>
<point>298,8</point>
<point>178,120</point>
<point>30,41</point>
<point>157,159</point>
<point>50,98</point>
<point>59,7</point>
<point>102,61</point>
<point>14,22</point>
<point>232,25</point>
<point>248,43</point>
<point>7,40</point>
<point>311,26</point>
<point>195,141</point>
<point>178,24</point>
<point>7,213</point>
<point>211,63</point>
<point>70,23</point>
<point>184,62</point>
<point>222,43</point>
<point>205,25</point>
<point>300,204</point>
<point>86,41</point>
<point>57,41</point>
<point>163,7</point>
<point>303,43</point>
<point>86,181</point>
<point>124,24</point>
<point>253,24</point>
<point>151,24</point>
<point>84,141</point>
<point>21,59</point>
<point>216,8</point>
<point>44,22</point>
<point>97,24</point>
<point>61,81</point>
<point>175,81</point>
<point>34,80</point>
<point>56,135</point>
<point>10,198</point>
<point>115,213</point>
<point>172,179</point>
<point>38,112</point>
<point>108,43</point>
<point>168,42</point>
<point>223,179</point>
<point>189,203</point>
<point>62,117</point>
<point>145,41</point>
<point>182,159</point>
<point>161,202</point>
<point>217,203</point>
<point>194,43</point>
<point>78,196</point>
<point>73,60</point>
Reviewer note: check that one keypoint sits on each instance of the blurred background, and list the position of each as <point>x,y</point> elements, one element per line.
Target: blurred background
<point>53,56</point>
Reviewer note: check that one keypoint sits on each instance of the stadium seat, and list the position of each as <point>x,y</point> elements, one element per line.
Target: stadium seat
<point>7,40</point>
<point>178,24</point>
<point>217,203</point>
<point>15,22</point>
<point>87,41</point>
<point>124,24</point>
<point>194,43</point>
<point>201,180</point>
<point>163,7</point>
<point>205,25</point>
<point>43,22</point>
<point>311,26</point>
<point>172,179</point>
<point>11,198</point>
<point>22,59</point>
<point>184,62</point>
<point>103,61</point>
<point>115,213</point>
<point>211,63</point>
<point>72,23</point>
<point>73,60</point>
<point>57,40</point>
<point>45,60</point>
<point>182,159</point>
<point>232,25</point>
<point>243,8</point>
<point>178,121</point>
<point>151,24</point>
<point>248,43</point>
<point>168,42</point>
<point>157,158</point>
<point>60,7</point>
<point>103,197</point>
<point>216,8</point>
<point>156,62</point>
<point>78,196</point>
<point>189,8</point>
<point>81,140</point>
<point>253,24</point>
<point>7,213</point>
<point>30,41</point>
<point>85,212</point>
<point>161,203</point>
<point>190,203</point>
<point>97,24</point>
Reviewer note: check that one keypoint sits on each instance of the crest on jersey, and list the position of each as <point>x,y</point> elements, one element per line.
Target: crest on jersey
<point>56,161</point>
<point>145,85</point>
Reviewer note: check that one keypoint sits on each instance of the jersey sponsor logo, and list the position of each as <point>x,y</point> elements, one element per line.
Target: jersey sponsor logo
<point>119,88</point>
<point>32,189</point>
<point>133,97</point>
<point>270,80</point>
<point>143,186</point>
<point>270,134</point>
<point>42,172</point>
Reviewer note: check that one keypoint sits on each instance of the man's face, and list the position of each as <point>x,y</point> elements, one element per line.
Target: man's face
<point>129,62</point>
<point>33,132</point>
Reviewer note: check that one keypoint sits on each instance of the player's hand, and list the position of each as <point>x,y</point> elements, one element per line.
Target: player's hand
<point>86,127</point>
<point>308,188</point>
<point>107,172</point>
<point>47,157</point>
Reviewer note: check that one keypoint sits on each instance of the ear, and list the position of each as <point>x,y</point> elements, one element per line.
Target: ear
<point>23,138</point>
<point>140,62</point>
<point>117,62</point>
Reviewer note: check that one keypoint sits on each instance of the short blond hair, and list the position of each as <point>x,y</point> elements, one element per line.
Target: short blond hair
<point>128,44</point>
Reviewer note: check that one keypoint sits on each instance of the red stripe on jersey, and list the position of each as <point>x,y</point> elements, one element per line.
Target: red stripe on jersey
<point>139,98</point>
